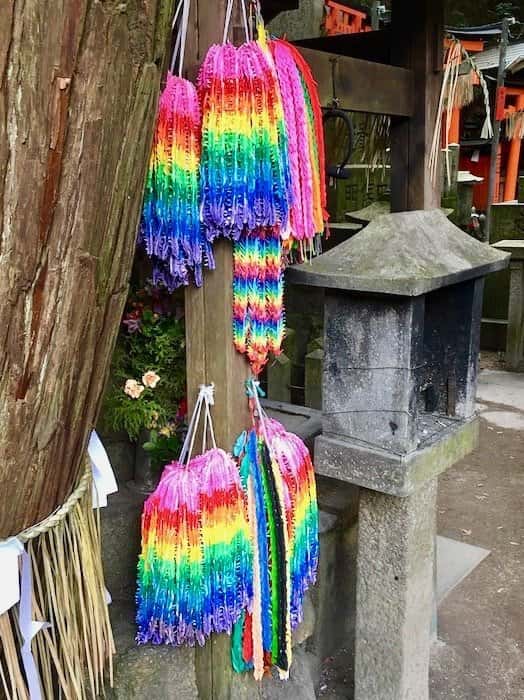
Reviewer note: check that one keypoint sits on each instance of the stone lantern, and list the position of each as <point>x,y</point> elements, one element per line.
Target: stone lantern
<point>403,302</point>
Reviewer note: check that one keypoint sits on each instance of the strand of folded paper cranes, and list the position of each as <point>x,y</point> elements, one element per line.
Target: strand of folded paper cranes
<point>230,544</point>
<point>241,157</point>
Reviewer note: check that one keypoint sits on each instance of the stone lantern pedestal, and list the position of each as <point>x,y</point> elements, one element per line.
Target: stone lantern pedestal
<point>515,339</point>
<point>403,305</point>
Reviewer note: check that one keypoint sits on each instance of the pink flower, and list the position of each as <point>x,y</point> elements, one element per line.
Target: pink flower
<point>150,379</point>
<point>132,321</point>
<point>133,389</point>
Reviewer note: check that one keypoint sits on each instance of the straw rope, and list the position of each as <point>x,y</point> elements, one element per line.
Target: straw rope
<point>74,655</point>
<point>62,512</point>
<point>456,92</point>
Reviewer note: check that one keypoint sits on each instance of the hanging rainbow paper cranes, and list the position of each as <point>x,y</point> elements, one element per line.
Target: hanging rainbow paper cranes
<point>303,117</point>
<point>258,296</point>
<point>171,229</point>
<point>195,568</point>
<point>246,186</point>
<point>278,475</point>
<point>244,167</point>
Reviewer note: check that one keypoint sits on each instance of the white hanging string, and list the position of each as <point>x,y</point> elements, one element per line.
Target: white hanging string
<point>255,384</point>
<point>182,12</point>
<point>177,13</point>
<point>208,426</point>
<point>229,14</point>
<point>191,429</point>
<point>183,35</point>
<point>205,399</point>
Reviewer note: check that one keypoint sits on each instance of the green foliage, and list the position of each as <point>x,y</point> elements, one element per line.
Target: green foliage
<point>460,13</point>
<point>151,340</point>
<point>162,448</point>
<point>504,9</point>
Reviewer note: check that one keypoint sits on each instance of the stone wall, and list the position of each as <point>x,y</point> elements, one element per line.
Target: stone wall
<point>303,23</point>
<point>507,222</point>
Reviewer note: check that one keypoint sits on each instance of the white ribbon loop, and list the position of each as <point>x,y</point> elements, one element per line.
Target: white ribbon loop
<point>104,482</point>
<point>10,550</point>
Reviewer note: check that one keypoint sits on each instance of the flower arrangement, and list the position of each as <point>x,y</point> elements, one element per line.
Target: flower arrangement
<point>146,387</point>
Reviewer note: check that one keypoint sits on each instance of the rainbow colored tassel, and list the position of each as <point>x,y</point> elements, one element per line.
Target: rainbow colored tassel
<point>171,229</point>
<point>245,181</point>
<point>298,473</point>
<point>303,118</point>
<point>195,568</point>
<point>283,514</point>
<point>258,296</point>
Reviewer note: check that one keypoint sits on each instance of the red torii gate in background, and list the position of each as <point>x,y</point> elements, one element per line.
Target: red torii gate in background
<point>510,100</point>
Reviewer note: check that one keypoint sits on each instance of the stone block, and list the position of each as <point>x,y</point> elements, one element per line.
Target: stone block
<point>394,474</point>
<point>515,339</point>
<point>450,172</point>
<point>334,595</point>
<point>121,542</point>
<point>520,190</point>
<point>155,673</point>
<point>507,221</point>
<point>121,453</point>
<point>396,539</point>
<point>289,346</point>
<point>313,379</point>
<point>371,352</point>
<point>168,673</point>
<point>462,215</point>
<point>337,497</point>
<point>307,627</point>
<point>279,379</point>
<point>299,24</point>
<point>316,344</point>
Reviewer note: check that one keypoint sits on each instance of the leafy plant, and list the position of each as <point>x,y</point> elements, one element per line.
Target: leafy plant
<point>146,387</point>
<point>163,448</point>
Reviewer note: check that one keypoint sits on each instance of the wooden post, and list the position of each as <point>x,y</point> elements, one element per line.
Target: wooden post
<point>78,98</point>
<point>416,44</point>
<point>211,357</point>
<point>454,131</point>
<point>512,169</point>
<point>494,166</point>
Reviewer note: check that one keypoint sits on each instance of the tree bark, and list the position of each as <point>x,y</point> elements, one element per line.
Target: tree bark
<point>79,83</point>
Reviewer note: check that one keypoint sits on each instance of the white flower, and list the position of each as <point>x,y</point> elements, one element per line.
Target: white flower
<point>150,379</point>
<point>133,389</point>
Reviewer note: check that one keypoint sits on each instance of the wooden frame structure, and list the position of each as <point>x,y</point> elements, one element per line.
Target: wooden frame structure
<point>406,89</point>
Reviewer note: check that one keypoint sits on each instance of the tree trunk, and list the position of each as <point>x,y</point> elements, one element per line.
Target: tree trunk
<point>79,83</point>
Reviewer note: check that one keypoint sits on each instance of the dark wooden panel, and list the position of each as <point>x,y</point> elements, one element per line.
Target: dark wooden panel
<point>368,46</point>
<point>272,8</point>
<point>416,44</point>
<point>362,86</point>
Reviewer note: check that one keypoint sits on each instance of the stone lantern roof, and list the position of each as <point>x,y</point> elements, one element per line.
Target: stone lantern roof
<point>405,254</point>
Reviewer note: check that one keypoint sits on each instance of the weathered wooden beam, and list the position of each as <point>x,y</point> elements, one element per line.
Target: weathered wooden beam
<point>417,44</point>
<point>211,357</point>
<point>77,108</point>
<point>372,46</point>
<point>362,86</point>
